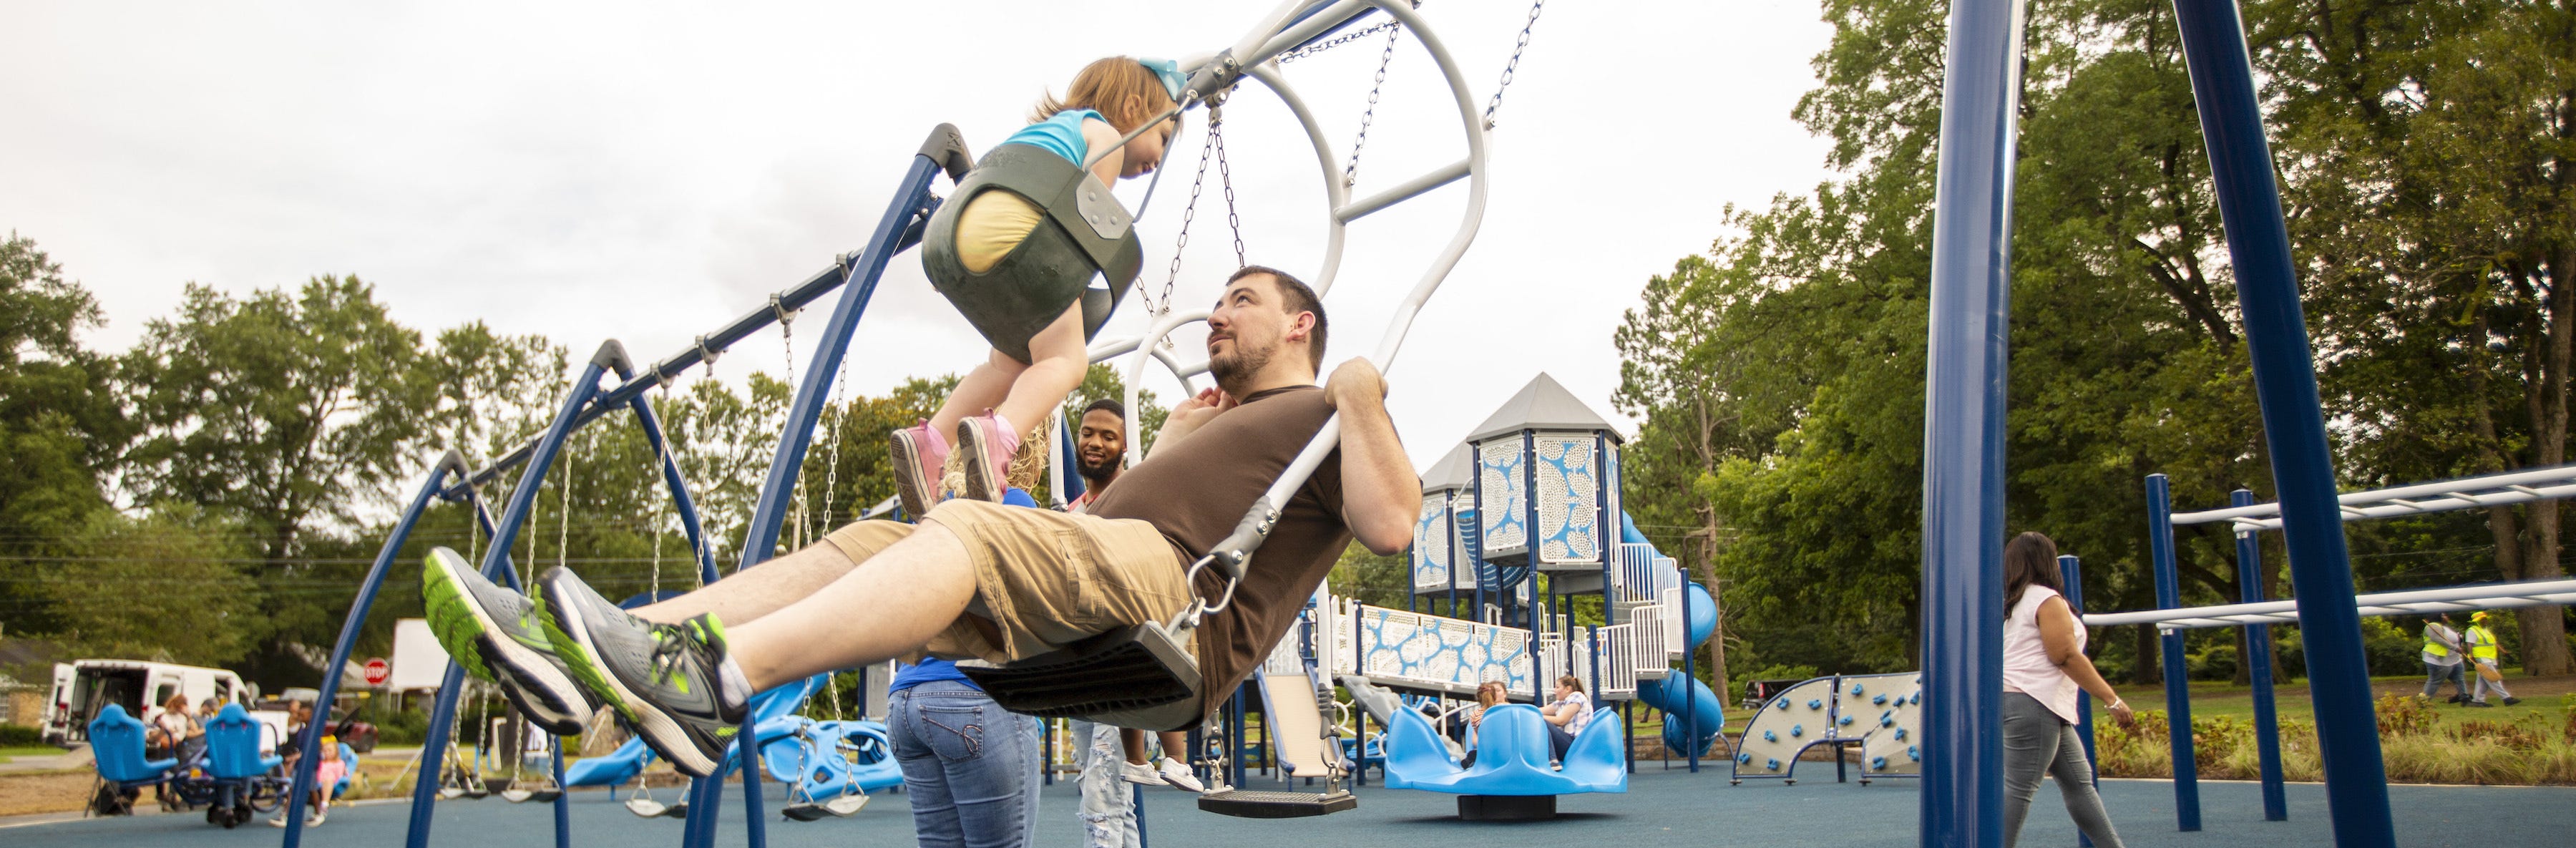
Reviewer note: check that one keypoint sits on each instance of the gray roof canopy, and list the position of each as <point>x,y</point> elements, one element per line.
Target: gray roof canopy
<point>1542,405</point>
<point>1454,471</point>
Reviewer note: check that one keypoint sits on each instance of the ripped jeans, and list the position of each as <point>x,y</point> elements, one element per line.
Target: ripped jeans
<point>1108,801</point>
<point>970,768</point>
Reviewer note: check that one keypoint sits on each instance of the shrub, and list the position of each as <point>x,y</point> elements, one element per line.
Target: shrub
<point>19,736</point>
<point>2217,662</point>
<point>2415,747</point>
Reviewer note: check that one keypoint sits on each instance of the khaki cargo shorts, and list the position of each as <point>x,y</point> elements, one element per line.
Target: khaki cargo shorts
<point>1043,579</point>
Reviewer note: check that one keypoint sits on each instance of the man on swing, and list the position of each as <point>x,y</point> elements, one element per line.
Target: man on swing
<point>981,580</point>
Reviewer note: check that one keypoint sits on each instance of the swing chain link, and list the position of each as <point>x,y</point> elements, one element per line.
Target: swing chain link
<point>1233,220</point>
<point>1509,68</point>
<point>1339,40</point>
<point>1351,170</point>
<point>1190,210</point>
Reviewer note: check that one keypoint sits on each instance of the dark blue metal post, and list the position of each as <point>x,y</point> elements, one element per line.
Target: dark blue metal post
<point>2070,571</point>
<point>496,566</point>
<point>452,463</point>
<point>2177,673</point>
<point>2258,656</point>
<point>2285,380</point>
<point>912,200</point>
<point>1963,437</point>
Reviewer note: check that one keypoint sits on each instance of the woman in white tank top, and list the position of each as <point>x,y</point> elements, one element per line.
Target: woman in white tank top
<point>2044,667</point>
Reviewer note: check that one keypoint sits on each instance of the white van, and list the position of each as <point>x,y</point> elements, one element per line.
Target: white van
<point>83,688</point>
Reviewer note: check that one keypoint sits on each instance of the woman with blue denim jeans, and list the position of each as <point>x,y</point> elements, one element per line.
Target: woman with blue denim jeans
<point>970,768</point>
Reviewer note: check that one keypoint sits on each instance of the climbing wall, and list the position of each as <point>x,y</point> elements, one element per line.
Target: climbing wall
<point>1891,707</point>
<point>1801,716</point>
<point>1882,712</point>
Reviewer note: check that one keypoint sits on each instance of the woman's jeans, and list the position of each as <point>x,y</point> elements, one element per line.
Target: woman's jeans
<point>2037,742</point>
<point>970,768</point>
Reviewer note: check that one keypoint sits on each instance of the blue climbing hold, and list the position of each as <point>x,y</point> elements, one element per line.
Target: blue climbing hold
<point>1914,753</point>
<point>1855,690</point>
<point>1816,704</point>
<point>1915,698</point>
<point>1768,736</point>
<point>1797,730</point>
<point>1878,764</point>
<point>1900,734</point>
<point>1773,764</point>
<point>1879,701</point>
<point>1784,703</point>
<point>1846,721</point>
<point>1744,758</point>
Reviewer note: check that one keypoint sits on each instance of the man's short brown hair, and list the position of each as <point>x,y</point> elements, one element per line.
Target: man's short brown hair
<point>1294,297</point>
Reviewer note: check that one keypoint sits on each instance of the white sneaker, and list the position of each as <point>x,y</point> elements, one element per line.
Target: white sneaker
<point>278,820</point>
<point>315,820</point>
<point>1139,774</point>
<point>1179,776</point>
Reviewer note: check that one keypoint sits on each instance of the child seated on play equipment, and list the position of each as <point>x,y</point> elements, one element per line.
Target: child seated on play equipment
<point>1014,390</point>
<point>1489,694</point>
<point>326,776</point>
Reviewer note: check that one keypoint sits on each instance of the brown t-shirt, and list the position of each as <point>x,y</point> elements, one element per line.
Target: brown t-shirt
<point>1200,488</point>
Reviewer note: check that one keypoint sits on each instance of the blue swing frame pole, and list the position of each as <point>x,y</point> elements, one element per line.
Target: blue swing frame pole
<point>2177,672</point>
<point>1963,487</point>
<point>431,485</point>
<point>2258,658</point>
<point>912,202</point>
<point>2070,571</point>
<point>496,566</point>
<point>2285,381</point>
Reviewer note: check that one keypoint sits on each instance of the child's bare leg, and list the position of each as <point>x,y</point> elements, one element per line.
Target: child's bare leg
<point>886,607</point>
<point>1057,360</point>
<point>1134,741</point>
<point>1176,745</point>
<point>986,387</point>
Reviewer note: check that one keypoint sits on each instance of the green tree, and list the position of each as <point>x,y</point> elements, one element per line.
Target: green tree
<point>61,426</point>
<point>168,585</point>
<point>287,411</point>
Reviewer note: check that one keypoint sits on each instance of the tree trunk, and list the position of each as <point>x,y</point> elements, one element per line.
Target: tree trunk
<point>2149,669</point>
<point>2544,629</point>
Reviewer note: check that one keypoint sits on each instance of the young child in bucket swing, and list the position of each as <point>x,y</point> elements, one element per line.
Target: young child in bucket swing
<point>1004,398</point>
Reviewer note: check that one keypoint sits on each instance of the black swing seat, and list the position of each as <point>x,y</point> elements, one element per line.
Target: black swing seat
<point>1085,233</point>
<point>1248,804</point>
<point>1137,676</point>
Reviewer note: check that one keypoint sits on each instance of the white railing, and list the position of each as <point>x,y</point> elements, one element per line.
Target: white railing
<point>1634,574</point>
<point>1654,655</point>
<point>1619,662</point>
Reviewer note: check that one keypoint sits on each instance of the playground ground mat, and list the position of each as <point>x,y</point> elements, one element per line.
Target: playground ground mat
<point>1661,808</point>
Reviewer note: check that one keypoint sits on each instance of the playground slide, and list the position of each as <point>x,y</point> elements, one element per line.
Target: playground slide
<point>1288,705</point>
<point>1676,695</point>
<point>611,769</point>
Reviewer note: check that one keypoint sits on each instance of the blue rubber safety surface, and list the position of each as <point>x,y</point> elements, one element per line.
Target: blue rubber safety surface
<point>1661,808</point>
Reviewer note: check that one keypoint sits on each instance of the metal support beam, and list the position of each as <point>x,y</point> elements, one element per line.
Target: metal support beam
<point>2258,659</point>
<point>2177,672</point>
<point>2285,381</point>
<point>1962,802</point>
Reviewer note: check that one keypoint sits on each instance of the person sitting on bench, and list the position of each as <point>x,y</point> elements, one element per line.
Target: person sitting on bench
<point>980,580</point>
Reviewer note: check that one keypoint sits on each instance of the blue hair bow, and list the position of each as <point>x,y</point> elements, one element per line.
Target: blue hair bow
<point>1169,72</point>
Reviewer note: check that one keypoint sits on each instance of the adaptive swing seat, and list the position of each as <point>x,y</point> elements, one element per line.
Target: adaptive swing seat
<point>1511,778</point>
<point>116,743</point>
<point>1085,232</point>
<point>243,777</point>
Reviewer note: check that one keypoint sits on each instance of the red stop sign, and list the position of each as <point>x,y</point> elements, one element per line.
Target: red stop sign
<point>378,671</point>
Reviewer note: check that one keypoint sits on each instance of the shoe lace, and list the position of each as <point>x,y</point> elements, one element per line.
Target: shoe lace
<point>674,644</point>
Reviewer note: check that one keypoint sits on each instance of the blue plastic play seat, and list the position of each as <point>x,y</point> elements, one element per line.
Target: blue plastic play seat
<point>116,742</point>
<point>1511,759</point>
<point>232,746</point>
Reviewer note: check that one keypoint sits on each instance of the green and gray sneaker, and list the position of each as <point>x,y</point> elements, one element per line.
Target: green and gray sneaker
<point>662,679</point>
<point>499,635</point>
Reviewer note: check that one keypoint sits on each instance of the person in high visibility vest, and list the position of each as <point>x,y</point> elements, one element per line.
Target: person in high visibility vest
<point>2483,651</point>
<point>2442,655</point>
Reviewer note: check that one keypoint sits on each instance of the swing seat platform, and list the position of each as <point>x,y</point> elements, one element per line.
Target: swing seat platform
<point>1136,676</point>
<point>1249,804</point>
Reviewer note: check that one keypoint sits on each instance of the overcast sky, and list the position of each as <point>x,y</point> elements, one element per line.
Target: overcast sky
<point>647,170</point>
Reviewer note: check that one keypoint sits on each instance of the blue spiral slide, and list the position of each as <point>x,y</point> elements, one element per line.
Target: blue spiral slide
<point>1680,696</point>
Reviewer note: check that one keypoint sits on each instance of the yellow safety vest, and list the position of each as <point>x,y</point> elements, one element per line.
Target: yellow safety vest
<point>2434,646</point>
<point>2482,643</point>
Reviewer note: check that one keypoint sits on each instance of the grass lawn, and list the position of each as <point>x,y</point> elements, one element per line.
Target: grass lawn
<point>7,754</point>
<point>2540,696</point>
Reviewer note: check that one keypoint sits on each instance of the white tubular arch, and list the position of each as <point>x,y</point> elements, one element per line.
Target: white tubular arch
<point>1255,53</point>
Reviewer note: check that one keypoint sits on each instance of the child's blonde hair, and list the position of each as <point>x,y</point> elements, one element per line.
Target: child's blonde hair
<point>1120,88</point>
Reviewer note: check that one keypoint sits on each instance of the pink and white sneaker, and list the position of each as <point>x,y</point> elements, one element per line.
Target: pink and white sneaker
<point>989,443</point>
<point>918,454</point>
